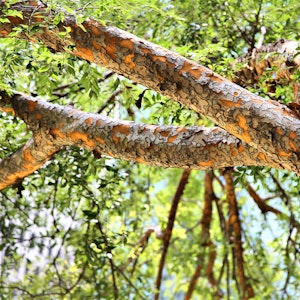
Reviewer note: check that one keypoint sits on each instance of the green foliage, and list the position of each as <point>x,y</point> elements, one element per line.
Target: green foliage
<point>72,229</point>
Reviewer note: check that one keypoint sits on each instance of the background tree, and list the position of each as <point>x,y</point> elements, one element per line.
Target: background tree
<point>86,225</point>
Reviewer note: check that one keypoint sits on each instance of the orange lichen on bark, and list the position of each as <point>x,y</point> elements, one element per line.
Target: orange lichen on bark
<point>189,67</point>
<point>279,131</point>
<point>98,122</point>
<point>8,110</point>
<point>127,43</point>
<point>123,129</point>
<point>111,43</point>
<point>85,53</point>
<point>242,122</point>
<point>79,136</point>
<point>56,132</point>
<point>261,156</point>
<point>206,163</point>
<point>104,59</point>
<point>171,139</point>
<point>111,154</point>
<point>96,45</point>
<point>140,160</point>
<point>99,140</point>
<point>88,121</point>
<point>283,153</point>
<point>32,105</point>
<point>128,61</point>
<point>231,104</point>
<point>292,145</point>
<point>215,77</point>
<point>38,116</point>
<point>241,148</point>
<point>27,155</point>
<point>111,51</point>
<point>155,58</point>
<point>163,133</point>
<point>95,29</point>
<point>292,135</point>
<point>181,129</point>
<point>233,151</point>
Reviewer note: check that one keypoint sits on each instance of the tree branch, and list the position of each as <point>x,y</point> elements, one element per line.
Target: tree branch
<point>268,126</point>
<point>25,161</point>
<point>234,223</point>
<point>168,231</point>
<point>263,206</point>
<point>209,196</point>
<point>55,126</point>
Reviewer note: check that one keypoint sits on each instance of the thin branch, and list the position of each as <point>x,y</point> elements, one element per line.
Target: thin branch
<point>109,100</point>
<point>80,88</point>
<point>234,223</point>
<point>140,245</point>
<point>130,283</point>
<point>112,265</point>
<point>254,27</point>
<point>263,206</point>
<point>209,196</point>
<point>168,231</point>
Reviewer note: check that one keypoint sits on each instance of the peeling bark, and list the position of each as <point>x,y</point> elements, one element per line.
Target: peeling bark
<point>270,131</point>
<point>271,128</point>
<point>24,162</point>
<point>56,126</point>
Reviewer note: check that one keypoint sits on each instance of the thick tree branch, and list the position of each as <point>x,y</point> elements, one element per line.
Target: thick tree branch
<point>55,126</point>
<point>25,161</point>
<point>268,126</point>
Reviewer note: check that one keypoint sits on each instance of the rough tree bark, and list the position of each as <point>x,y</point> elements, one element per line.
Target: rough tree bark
<point>261,132</point>
<point>55,126</point>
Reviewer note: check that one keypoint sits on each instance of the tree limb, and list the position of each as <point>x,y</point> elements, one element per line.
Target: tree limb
<point>24,162</point>
<point>168,231</point>
<point>268,126</point>
<point>209,197</point>
<point>234,223</point>
<point>56,126</point>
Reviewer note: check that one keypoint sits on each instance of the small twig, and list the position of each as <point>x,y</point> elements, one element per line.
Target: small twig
<point>130,283</point>
<point>80,88</point>
<point>112,265</point>
<point>109,100</point>
<point>141,244</point>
